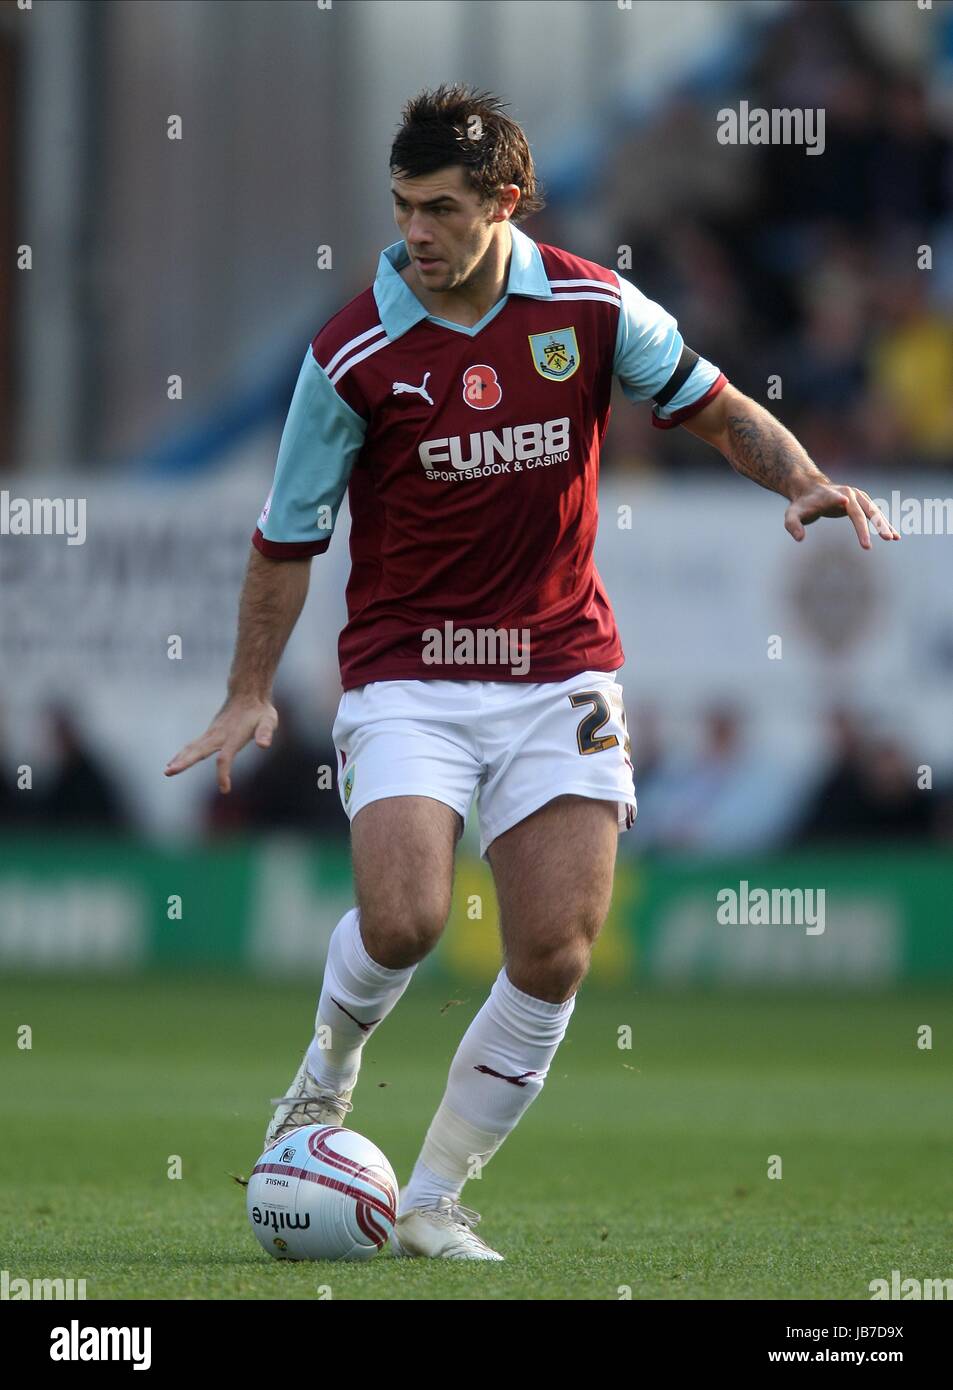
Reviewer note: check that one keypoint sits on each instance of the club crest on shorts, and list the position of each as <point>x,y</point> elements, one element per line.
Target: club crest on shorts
<point>555,354</point>
<point>348,785</point>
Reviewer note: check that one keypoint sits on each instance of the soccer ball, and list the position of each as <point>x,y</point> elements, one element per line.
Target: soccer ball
<point>322,1193</point>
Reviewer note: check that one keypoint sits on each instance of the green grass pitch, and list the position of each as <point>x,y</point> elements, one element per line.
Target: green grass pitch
<point>644,1169</point>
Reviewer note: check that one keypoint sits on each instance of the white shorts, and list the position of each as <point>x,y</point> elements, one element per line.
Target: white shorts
<point>517,745</point>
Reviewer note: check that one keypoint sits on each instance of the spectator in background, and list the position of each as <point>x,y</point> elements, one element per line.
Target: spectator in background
<point>80,795</point>
<point>826,368</point>
<point>943,816</point>
<point>14,805</point>
<point>912,366</point>
<point>647,746</point>
<point>896,807</point>
<point>283,792</point>
<point>869,791</point>
<point>719,801</point>
<point>804,267</point>
<point>834,809</point>
<point>913,161</point>
<point>12,808</point>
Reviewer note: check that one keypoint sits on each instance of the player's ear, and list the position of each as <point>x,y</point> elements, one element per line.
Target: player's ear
<point>506,202</point>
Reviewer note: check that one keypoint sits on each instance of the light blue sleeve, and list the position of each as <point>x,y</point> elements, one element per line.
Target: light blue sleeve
<point>321,439</point>
<point>648,347</point>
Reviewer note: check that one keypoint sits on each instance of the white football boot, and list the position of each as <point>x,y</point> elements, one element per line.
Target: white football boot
<point>307,1103</point>
<point>441,1232</point>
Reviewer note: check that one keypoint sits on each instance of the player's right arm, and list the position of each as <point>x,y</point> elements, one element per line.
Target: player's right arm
<point>322,437</point>
<point>273,596</point>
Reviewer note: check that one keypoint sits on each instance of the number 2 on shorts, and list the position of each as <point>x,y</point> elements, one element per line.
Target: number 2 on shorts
<point>595,720</point>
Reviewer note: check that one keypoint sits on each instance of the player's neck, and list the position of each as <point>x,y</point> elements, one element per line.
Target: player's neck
<point>467,304</point>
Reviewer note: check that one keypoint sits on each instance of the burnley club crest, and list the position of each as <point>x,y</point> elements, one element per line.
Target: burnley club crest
<point>556,354</point>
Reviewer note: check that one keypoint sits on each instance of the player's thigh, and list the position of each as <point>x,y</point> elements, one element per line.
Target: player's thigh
<point>553,739</point>
<point>402,850</point>
<point>407,774</point>
<point>553,873</point>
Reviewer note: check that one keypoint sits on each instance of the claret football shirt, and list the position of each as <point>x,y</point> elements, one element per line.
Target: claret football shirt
<point>471,461</point>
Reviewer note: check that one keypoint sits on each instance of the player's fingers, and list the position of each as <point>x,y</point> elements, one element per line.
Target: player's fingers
<point>191,754</point>
<point>265,730</point>
<point>223,767</point>
<point>882,526</point>
<point>793,524</point>
<point>856,514</point>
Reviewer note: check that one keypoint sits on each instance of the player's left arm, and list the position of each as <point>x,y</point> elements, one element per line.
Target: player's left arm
<point>758,446</point>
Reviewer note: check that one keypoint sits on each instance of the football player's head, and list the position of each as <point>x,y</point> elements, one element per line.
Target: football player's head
<point>460,168</point>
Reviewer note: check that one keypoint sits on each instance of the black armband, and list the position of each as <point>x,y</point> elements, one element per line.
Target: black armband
<point>684,369</point>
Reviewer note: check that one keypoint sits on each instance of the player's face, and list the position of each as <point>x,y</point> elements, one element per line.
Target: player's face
<point>446,229</point>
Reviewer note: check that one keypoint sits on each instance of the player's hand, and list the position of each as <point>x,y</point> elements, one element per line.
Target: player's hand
<point>836,499</point>
<point>237,723</point>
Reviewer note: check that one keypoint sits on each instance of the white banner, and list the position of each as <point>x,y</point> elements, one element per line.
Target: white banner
<point>714,599</point>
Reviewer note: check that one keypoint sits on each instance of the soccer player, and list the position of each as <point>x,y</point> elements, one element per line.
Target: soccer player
<point>461,401</point>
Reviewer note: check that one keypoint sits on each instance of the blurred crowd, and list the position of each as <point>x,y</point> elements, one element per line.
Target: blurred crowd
<point>725,795</point>
<point>73,789</point>
<point>808,268</point>
<point>713,793</point>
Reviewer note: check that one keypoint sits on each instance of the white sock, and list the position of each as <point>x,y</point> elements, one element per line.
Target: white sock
<point>357,994</point>
<point>514,1036</point>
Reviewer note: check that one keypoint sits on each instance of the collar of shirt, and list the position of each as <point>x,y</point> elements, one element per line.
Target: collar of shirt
<point>400,308</point>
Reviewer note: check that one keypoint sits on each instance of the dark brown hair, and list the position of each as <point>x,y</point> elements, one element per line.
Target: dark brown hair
<point>438,130</point>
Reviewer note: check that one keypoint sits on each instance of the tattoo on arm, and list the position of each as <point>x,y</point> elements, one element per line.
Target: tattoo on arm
<point>762,449</point>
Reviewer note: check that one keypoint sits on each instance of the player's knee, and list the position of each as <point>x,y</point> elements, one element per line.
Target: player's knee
<point>397,935</point>
<point>551,971</point>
